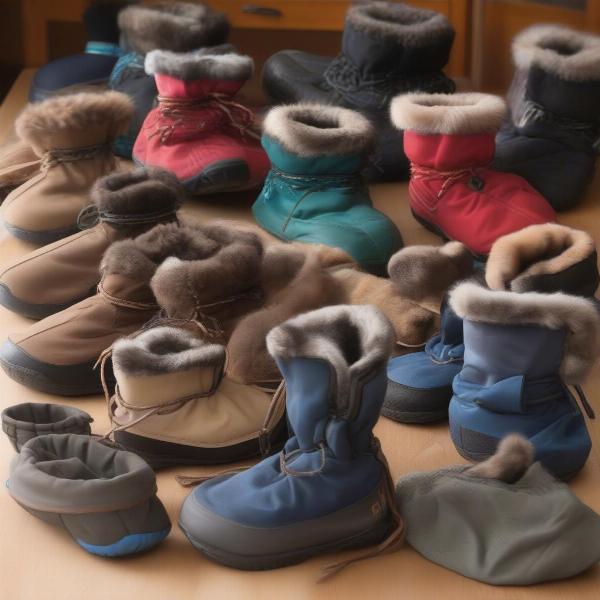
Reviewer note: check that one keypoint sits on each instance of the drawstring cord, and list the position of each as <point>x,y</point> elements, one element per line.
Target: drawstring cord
<point>449,177</point>
<point>57,156</point>
<point>240,117</point>
<point>90,215</point>
<point>123,303</point>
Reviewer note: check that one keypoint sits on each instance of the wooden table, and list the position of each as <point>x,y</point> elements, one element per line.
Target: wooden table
<point>41,562</point>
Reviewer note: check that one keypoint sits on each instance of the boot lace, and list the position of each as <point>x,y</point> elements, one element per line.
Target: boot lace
<point>179,117</point>
<point>449,178</point>
<point>91,215</point>
<point>57,156</point>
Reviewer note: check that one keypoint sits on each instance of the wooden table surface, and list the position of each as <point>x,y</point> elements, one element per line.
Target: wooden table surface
<point>38,561</point>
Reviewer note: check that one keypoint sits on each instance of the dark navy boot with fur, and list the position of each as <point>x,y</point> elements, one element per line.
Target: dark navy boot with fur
<point>551,138</point>
<point>329,488</point>
<point>387,49</point>
<point>521,352</point>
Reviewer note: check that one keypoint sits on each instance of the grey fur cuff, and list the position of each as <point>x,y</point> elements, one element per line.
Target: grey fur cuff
<point>569,54</point>
<point>578,317</point>
<point>138,192</point>
<point>177,26</point>
<point>307,129</point>
<point>448,114</point>
<point>407,25</point>
<point>199,65</point>
<point>162,350</point>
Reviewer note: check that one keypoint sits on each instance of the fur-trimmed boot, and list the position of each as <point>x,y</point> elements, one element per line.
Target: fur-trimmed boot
<point>198,131</point>
<point>544,258</point>
<point>314,191</point>
<point>388,48</point>
<point>521,352</point>
<point>552,135</point>
<point>175,26</point>
<point>174,403</point>
<point>56,276</point>
<point>91,68</point>
<point>329,489</point>
<point>57,355</point>
<point>453,192</point>
<point>73,135</point>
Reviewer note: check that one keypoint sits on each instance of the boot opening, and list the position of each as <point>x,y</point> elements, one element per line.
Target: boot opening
<point>562,47</point>
<point>350,343</point>
<point>319,122</point>
<point>402,17</point>
<point>168,345</point>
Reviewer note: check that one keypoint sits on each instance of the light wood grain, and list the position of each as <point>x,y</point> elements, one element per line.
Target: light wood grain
<point>40,562</point>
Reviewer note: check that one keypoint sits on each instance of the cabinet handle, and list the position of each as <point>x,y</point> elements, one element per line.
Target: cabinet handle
<point>264,11</point>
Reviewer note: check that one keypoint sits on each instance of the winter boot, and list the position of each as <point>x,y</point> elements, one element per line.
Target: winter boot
<point>174,404</point>
<point>57,355</point>
<point>90,69</point>
<point>18,163</point>
<point>73,135</point>
<point>329,488</point>
<point>54,277</point>
<point>545,258</point>
<point>176,26</point>
<point>552,135</point>
<point>387,49</point>
<point>314,192</point>
<point>104,497</point>
<point>450,143</point>
<point>198,131</point>
<point>521,351</point>
<point>518,525</point>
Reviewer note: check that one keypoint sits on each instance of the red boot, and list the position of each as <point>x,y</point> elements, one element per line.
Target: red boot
<point>197,131</point>
<point>449,140</point>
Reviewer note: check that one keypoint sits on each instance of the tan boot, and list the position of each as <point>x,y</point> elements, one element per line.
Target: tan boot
<point>18,163</point>
<point>73,135</point>
<point>57,354</point>
<point>174,404</point>
<point>56,276</point>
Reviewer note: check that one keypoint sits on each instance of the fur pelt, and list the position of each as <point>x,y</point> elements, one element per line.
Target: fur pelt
<point>74,113</point>
<point>513,456</point>
<point>294,281</point>
<point>569,54</point>
<point>310,129</point>
<point>207,284</point>
<point>448,114</point>
<point>577,316</point>
<point>193,66</point>
<point>177,26</point>
<point>161,350</point>
<point>424,273</point>
<point>516,259</point>
<point>352,339</point>
<point>141,191</point>
<point>407,25</point>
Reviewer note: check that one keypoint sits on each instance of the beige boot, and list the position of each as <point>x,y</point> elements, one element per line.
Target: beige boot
<point>174,404</point>
<point>56,276</point>
<point>18,163</point>
<point>73,135</point>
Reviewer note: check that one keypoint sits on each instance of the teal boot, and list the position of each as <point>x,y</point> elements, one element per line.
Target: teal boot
<point>314,192</point>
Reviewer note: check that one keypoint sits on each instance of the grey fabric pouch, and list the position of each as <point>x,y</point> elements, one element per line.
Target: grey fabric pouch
<point>522,533</point>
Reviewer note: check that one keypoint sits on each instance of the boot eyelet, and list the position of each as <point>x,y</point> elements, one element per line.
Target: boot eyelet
<point>476,183</point>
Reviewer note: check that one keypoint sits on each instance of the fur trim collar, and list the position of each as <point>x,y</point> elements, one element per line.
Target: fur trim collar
<point>177,26</point>
<point>513,456</point>
<point>448,114</point>
<point>569,54</point>
<point>163,350</point>
<point>74,112</point>
<point>194,65</point>
<point>310,129</point>
<point>407,25</point>
<point>424,273</point>
<point>141,191</point>
<point>185,285</point>
<point>518,260</point>
<point>354,340</point>
<point>577,316</point>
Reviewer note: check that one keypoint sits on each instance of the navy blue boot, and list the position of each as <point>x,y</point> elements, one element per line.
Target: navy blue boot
<point>521,351</point>
<point>329,488</point>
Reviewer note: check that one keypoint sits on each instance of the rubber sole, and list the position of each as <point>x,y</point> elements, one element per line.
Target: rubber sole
<point>40,238</point>
<point>285,559</point>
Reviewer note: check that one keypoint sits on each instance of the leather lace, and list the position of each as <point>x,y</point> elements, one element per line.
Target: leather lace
<point>449,177</point>
<point>91,215</point>
<point>182,114</point>
<point>124,303</point>
<point>57,156</point>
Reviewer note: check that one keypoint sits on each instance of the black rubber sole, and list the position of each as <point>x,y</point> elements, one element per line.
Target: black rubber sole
<point>40,238</point>
<point>33,311</point>
<point>285,559</point>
